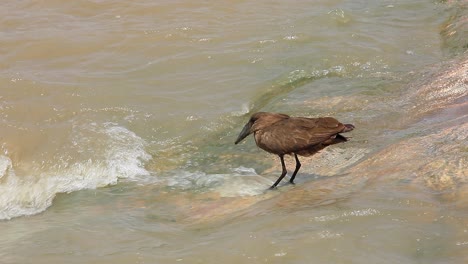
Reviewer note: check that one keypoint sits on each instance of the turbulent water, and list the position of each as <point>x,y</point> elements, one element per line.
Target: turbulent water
<point>118,120</point>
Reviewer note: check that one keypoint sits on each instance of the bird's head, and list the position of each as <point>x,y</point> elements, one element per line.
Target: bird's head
<point>347,128</point>
<point>259,121</point>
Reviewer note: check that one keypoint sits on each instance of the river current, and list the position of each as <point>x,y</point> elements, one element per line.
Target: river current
<point>118,121</point>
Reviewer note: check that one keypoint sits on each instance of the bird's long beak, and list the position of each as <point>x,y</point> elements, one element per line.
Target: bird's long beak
<point>245,132</point>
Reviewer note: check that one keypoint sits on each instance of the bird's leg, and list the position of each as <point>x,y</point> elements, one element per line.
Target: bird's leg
<point>282,174</point>
<point>298,166</point>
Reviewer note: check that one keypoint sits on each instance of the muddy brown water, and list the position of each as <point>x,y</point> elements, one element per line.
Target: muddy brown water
<point>118,121</point>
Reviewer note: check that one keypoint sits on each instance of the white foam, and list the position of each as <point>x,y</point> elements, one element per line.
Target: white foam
<point>354,213</point>
<point>244,109</point>
<point>113,152</point>
<point>241,182</point>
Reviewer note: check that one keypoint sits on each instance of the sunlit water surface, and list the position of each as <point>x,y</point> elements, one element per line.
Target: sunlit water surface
<point>118,120</point>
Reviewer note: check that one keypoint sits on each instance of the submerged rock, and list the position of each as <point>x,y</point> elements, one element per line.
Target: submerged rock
<point>426,145</point>
<point>437,159</point>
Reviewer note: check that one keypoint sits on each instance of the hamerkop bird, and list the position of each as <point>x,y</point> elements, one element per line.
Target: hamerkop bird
<point>281,134</point>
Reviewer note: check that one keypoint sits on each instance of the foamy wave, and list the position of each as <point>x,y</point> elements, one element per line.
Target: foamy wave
<point>355,213</point>
<point>113,153</point>
<point>241,182</point>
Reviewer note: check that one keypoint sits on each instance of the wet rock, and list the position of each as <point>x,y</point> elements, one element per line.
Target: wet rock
<point>328,162</point>
<point>437,160</point>
<point>428,147</point>
<point>440,87</point>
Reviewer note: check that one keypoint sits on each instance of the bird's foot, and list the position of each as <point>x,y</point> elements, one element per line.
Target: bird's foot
<point>292,182</point>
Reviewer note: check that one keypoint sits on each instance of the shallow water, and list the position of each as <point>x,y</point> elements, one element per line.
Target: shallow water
<point>118,121</point>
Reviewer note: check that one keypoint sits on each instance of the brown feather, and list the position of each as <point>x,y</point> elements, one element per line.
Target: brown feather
<point>297,134</point>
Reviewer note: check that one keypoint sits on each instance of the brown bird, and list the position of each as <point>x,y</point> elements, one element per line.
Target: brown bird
<point>281,134</point>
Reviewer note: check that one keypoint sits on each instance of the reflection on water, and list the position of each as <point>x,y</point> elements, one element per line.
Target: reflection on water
<point>118,121</point>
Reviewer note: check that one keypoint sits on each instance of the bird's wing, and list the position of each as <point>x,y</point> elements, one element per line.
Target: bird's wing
<point>297,134</point>
<point>306,132</point>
